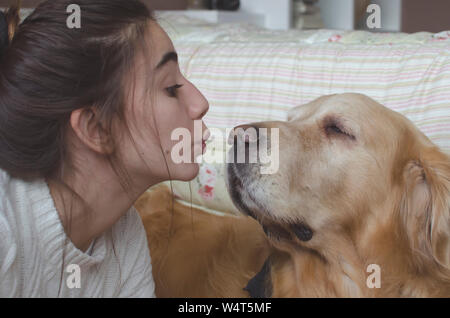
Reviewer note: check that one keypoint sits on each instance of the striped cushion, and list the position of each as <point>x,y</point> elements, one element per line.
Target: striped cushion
<point>249,74</point>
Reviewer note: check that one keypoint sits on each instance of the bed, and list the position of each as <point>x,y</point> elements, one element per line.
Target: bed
<point>251,74</point>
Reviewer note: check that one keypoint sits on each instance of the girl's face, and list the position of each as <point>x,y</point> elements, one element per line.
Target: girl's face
<point>161,101</point>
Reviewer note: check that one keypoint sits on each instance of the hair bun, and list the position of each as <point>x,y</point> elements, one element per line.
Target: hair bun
<point>9,22</point>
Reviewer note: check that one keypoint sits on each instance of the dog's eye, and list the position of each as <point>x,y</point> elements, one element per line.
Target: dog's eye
<point>333,129</point>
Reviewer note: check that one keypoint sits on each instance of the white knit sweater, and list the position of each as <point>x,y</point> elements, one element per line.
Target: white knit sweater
<point>32,241</point>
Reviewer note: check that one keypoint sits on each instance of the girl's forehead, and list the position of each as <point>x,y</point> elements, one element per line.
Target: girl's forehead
<point>159,43</point>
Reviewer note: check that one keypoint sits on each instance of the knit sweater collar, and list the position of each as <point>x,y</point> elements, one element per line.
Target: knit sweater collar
<point>50,230</point>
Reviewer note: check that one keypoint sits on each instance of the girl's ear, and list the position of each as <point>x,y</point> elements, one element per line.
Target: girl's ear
<point>87,127</point>
<point>425,207</point>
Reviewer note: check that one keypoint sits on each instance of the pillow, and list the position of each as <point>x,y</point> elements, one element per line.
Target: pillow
<point>208,189</point>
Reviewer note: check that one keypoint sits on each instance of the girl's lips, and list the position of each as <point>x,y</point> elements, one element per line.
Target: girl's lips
<point>203,146</point>
<point>197,146</point>
<point>206,136</point>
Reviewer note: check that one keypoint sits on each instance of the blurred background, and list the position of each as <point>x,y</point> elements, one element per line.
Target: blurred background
<point>395,15</point>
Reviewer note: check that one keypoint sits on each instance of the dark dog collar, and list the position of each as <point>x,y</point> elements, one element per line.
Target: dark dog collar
<point>260,286</point>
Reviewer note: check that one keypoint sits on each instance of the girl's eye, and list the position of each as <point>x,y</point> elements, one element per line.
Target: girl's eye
<point>172,91</point>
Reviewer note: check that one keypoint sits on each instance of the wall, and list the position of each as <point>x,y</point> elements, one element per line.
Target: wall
<point>277,13</point>
<point>337,14</point>
<point>423,15</point>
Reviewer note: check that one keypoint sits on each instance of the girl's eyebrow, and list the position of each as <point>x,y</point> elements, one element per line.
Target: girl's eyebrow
<point>169,56</point>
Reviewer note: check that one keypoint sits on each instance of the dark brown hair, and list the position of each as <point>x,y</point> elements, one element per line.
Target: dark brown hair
<point>48,70</point>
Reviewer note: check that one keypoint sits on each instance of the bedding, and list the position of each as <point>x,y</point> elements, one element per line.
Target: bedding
<point>250,74</point>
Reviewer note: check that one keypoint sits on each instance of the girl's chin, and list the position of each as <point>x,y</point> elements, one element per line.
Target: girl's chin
<point>186,172</point>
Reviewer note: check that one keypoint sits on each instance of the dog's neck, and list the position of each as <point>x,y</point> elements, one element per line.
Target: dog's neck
<point>302,272</point>
<point>351,271</point>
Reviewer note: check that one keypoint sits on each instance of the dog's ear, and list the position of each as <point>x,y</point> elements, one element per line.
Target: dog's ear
<point>425,207</point>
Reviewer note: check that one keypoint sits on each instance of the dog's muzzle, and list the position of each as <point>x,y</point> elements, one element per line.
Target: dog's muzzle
<point>239,172</point>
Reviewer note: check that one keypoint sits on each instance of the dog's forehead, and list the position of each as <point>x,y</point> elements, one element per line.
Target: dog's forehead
<point>350,105</point>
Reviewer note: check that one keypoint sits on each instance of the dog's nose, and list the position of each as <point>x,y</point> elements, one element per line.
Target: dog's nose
<point>247,133</point>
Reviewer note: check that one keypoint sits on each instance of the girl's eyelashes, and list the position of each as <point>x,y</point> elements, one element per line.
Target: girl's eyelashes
<point>172,91</point>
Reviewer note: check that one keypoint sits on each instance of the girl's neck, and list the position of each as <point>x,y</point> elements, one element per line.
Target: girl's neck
<point>92,201</point>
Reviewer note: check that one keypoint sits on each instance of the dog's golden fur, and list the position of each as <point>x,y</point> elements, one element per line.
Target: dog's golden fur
<point>367,183</point>
<point>198,254</point>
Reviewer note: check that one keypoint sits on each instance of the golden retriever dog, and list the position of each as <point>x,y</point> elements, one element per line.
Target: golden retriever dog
<point>358,188</point>
<point>359,207</point>
<point>198,254</point>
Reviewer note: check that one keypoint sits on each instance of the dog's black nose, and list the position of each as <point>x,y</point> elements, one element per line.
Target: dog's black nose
<point>244,139</point>
<point>246,133</point>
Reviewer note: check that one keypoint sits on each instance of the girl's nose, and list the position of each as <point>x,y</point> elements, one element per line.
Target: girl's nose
<point>200,109</point>
<point>199,106</point>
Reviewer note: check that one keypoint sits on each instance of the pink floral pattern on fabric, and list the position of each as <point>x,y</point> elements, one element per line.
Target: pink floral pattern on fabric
<point>207,178</point>
<point>441,36</point>
<point>335,38</point>
<point>206,192</point>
